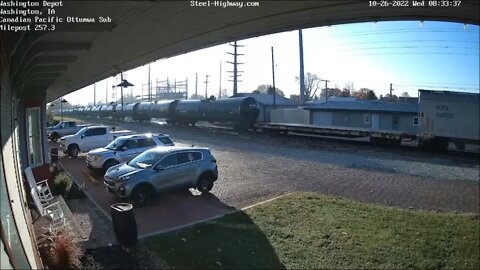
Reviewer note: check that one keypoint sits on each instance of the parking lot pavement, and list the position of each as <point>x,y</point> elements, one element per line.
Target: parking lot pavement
<point>168,211</point>
<point>254,167</point>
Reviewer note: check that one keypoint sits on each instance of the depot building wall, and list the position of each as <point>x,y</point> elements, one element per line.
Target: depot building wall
<point>18,246</point>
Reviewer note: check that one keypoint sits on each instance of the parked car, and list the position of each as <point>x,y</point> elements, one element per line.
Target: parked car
<point>89,138</point>
<point>160,169</point>
<point>62,129</point>
<point>124,148</point>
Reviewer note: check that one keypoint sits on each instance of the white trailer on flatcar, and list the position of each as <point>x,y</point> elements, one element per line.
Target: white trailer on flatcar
<point>447,116</point>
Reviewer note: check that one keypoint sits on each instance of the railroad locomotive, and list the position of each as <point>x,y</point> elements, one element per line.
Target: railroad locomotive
<point>239,112</point>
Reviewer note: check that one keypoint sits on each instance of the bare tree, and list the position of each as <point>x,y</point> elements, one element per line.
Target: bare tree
<point>225,93</point>
<point>334,92</point>
<point>268,89</point>
<point>393,99</point>
<point>405,94</point>
<point>363,93</point>
<point>350,88</point>
<point>312,84</point>
<point>345,93</point>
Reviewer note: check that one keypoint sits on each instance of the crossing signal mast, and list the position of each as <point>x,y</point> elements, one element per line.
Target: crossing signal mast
<point>235,64</point>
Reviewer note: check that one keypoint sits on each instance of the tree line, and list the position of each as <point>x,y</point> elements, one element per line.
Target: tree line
<point>314,89</point>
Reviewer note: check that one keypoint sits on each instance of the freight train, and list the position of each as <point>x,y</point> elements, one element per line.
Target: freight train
<point>240,112</point>
<point>437,119</point>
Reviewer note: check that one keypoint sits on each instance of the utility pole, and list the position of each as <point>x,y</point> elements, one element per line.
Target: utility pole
<point>235,63</point>
<point>114,92</point>
<point>273,80</point>
<point>302,72</point>
<point>326,89</point>
<point>220,84</point>
<point>206,85</point>
<point>94,94</point>
<point>156,89</point>
<point>149,86</point>
<point>106,91</point>
<point>391,90</point>
<point>186,88</point>
<point>196,85</point>
<point>121,88</point>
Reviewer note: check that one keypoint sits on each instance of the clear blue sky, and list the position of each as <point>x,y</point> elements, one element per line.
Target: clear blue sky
<point>410,55</point>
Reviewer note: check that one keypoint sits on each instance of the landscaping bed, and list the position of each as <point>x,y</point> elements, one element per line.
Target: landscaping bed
<point>66,251</point>
<point>309,230</point>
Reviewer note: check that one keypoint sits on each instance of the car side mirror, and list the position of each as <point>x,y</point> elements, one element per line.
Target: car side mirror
<point>83,136</point>
<point>159,168</point>
<point>124,148</point>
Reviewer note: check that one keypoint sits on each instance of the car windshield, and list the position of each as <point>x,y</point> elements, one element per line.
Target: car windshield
<point>145,160</point>
<point>116,144</point>
<point>165,140</point>
<point>81,131</point>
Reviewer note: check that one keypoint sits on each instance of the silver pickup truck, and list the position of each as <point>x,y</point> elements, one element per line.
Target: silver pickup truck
<point>62,129</point>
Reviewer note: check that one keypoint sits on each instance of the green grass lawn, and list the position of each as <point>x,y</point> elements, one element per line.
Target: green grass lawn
<point>308,230</point>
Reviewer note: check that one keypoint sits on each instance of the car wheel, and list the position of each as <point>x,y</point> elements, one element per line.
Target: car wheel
<point>54,137</point>
<point>109,163</point>
<point>204,184</point>
<point>73,151</point>
<point>142,195</point>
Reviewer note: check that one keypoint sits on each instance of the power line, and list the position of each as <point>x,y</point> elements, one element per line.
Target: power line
<point>432,83</point>
<point>406,29</point>
<point>407,41</point>
<point>409,47</point>
<point>441,87</point>
<point>403,31</point>
<point>414,53</point>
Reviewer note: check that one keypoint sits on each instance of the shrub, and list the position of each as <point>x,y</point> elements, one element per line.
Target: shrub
<point>75,193</point>
<point>62,183</point>
<point>51,121</point>
<point>63,253</point>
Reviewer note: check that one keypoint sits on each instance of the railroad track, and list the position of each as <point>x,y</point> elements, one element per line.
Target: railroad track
<point>364,143</point>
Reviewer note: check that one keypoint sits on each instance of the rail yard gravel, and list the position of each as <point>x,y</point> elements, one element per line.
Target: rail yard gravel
<point>254,167</point>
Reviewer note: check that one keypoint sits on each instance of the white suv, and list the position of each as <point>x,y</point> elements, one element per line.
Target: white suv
<point>125,148</point>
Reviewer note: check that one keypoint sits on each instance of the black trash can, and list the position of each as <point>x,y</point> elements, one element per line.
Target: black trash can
<point>124,224</point>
